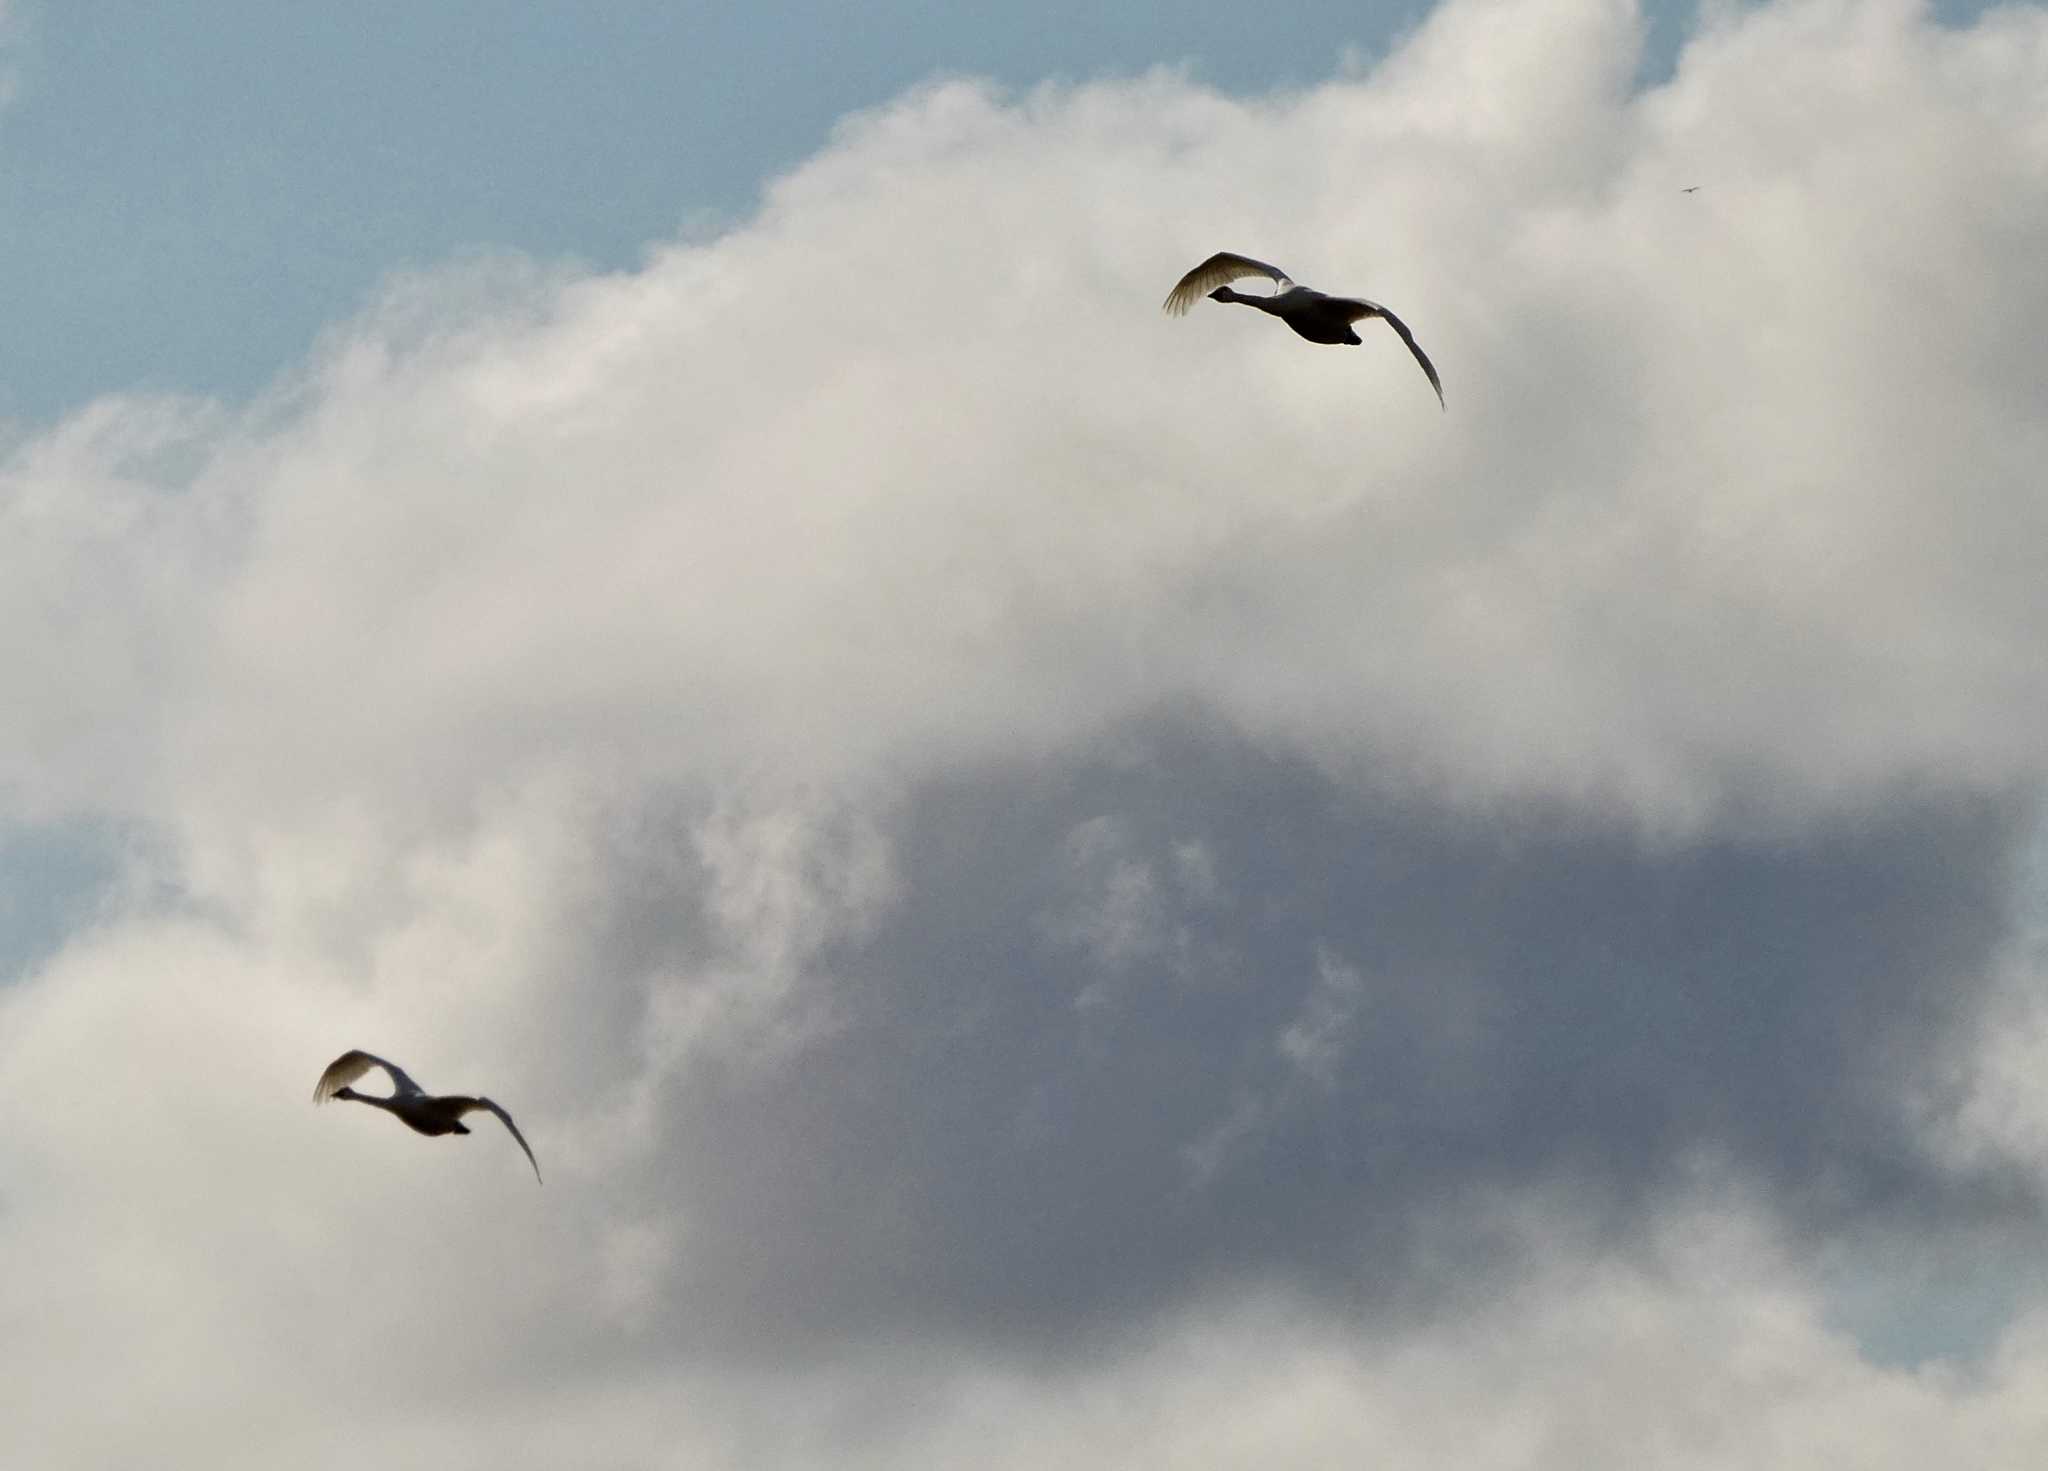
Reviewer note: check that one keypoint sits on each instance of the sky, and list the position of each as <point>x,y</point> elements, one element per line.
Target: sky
<point>1050,885</point>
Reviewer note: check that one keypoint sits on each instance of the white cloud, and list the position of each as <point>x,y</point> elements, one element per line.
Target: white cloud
<point>1317,1039</point>
<point>1709,1351</point>
<point>539,685</point>
<point>910,468</point>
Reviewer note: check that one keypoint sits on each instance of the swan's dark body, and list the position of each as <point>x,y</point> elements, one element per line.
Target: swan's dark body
<point>1313,314</point>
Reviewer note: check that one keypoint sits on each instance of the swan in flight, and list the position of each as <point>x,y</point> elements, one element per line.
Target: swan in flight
<point>417,1109</point>
<point>1311,313</point>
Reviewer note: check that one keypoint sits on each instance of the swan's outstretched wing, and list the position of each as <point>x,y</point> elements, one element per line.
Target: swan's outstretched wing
<point>1219,269</point>
<point>470,1105</point>
<point>1360,308</point>
<point>351,1065</point>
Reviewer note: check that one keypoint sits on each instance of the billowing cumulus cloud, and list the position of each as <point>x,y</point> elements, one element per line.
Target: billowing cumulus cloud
<point>1055,885</point>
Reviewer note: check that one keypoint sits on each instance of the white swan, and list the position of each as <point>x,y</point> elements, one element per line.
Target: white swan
<point>419,1110</point>
<point>1310,313</point>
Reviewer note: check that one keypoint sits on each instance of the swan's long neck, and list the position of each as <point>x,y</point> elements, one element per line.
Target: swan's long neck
<point>1226,293</point>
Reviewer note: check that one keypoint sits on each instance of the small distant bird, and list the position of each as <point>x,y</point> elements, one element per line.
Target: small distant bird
<point>1690,189</point>
<point>417,1109</point>
<point>1310,313</point>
